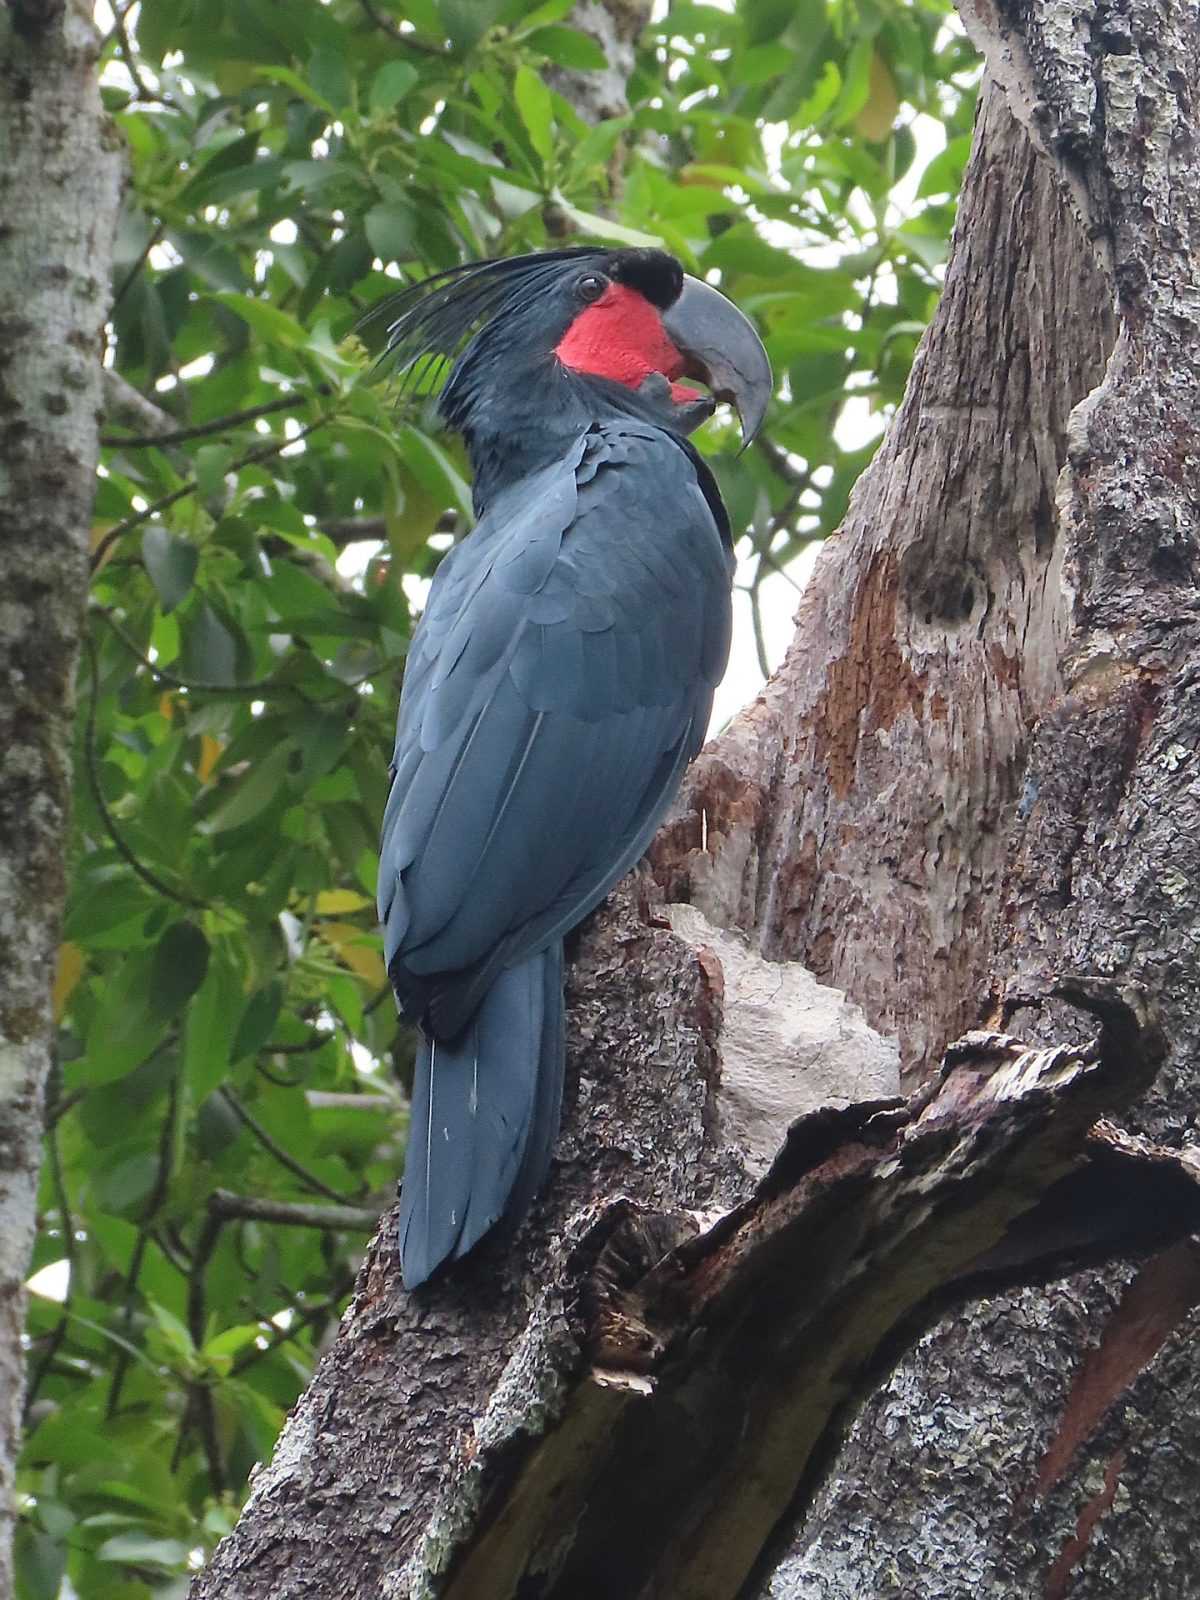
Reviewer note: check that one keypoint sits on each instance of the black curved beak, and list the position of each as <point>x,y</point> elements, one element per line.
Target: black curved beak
<point>723,349</point>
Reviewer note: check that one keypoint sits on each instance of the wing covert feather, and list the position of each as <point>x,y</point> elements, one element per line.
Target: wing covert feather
<point>558,683</point>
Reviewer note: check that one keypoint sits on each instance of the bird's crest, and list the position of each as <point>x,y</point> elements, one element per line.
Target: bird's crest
<point>426,324</point>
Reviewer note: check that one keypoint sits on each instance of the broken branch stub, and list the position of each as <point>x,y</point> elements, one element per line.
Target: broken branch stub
<point>686,1406</point>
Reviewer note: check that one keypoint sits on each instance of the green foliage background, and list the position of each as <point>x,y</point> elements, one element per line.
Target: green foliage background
<point>226,1035</point>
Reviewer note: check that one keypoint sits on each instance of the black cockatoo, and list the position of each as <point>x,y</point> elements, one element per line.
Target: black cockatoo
<point>559,681</point>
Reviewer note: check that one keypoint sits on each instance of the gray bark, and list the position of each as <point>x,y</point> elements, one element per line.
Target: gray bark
<point>616,26</point>
<point>59,180</point>
<point>971,779</point>
<point>1066,1427</point>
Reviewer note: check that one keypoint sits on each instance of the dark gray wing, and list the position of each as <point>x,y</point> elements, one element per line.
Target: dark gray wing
<point>559,682</point>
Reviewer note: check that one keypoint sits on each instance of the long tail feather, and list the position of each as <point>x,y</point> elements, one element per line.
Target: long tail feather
<point>547,1104</point>
<point>485,1116</point>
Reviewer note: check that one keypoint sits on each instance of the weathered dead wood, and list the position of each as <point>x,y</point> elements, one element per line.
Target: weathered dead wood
<point>684,1411</point>
<point>681,1383</point>
<point>855,819</point>
<point>1048,1443</point>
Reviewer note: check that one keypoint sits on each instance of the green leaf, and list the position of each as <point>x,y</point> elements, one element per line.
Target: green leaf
<point>232,155</point>
<point>856,84</point>
<point>569,48</point>
<point>212,1024</point>
<point>301,85</point>
<point>223,1346</point>
<point>434,469</point>
<point>541,16</point>
<point>125,1187</point>
<point>41,1563</point>
<point>819,102</point>
<point>101,902</point>
<point>391,231</point>
<point>766,19</point>
<point>310,177</point>
<point>265,319</point>
<point>174,1331</point>
<point>259,789</point>
<point>466,21</point>
<point>762,63</point>
<point>171,563</point>
<point>258,1021</point>
<point>944,173</point>
<point>597,145</point>
<point>330,78</point>
<point>210,653</point>
<point>143,1549</point>
<point>604,228</point>
<point>390,85</point>
<point>212,463</point>
<point>260,173</point>
<point>179,967</point>
<point>537,110</point>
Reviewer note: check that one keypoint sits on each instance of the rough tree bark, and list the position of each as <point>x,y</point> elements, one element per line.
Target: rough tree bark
<point>971,783</point>
<point>59,181</point>
<point>1048,1443</point>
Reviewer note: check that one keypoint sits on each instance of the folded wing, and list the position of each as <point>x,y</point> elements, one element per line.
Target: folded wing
<point>561,679</point>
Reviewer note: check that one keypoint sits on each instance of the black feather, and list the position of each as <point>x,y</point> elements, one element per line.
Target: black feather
<point>559,682</point>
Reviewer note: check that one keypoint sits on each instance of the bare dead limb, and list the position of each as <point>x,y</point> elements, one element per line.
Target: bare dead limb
<point>706,1394</point>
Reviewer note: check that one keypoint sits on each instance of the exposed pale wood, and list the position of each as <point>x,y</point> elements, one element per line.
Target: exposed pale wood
<point>864,800</point>
<point>948,1472</point>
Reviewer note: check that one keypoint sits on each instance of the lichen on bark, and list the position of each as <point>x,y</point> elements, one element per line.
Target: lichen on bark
<point>59,179</point>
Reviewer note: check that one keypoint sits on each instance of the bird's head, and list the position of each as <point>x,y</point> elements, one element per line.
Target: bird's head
<point>543,331</point>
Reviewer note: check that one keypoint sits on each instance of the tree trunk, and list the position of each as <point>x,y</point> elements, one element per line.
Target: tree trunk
<point>966,798</point>
<point>59,179</point>
<point>1047,1443</point>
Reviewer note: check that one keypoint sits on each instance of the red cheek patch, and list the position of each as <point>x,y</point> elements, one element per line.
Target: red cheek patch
<point>622,337</point>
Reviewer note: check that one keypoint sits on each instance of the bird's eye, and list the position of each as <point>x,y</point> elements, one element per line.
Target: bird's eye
<point>591,286</point>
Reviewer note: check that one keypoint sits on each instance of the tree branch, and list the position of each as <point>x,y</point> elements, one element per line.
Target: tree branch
<point>164,502</point>
<point>171,433</point>
<point>773,1324</point>
<point>125,403</point>
<point>250,1208</point>
<point>285,1159</point>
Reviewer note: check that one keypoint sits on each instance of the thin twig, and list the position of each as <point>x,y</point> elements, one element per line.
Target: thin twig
<point>300,1322</point>
<point>130,57</point>
<point>264,453</point>
<point>67,1225</point>
<point>778,460</point>
<point>313,1042</point>
<point>89,748</point>
<point>281,1155</point>
<point>279,1079</point>
<point>156,1197</point>
<point>171,1251</point>
<point>378,1000</point>
<point>58,1111</point>
<point>130,277</point>
<point>760,638</point>
<point>200,1406</point>
<point>235,419</point>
